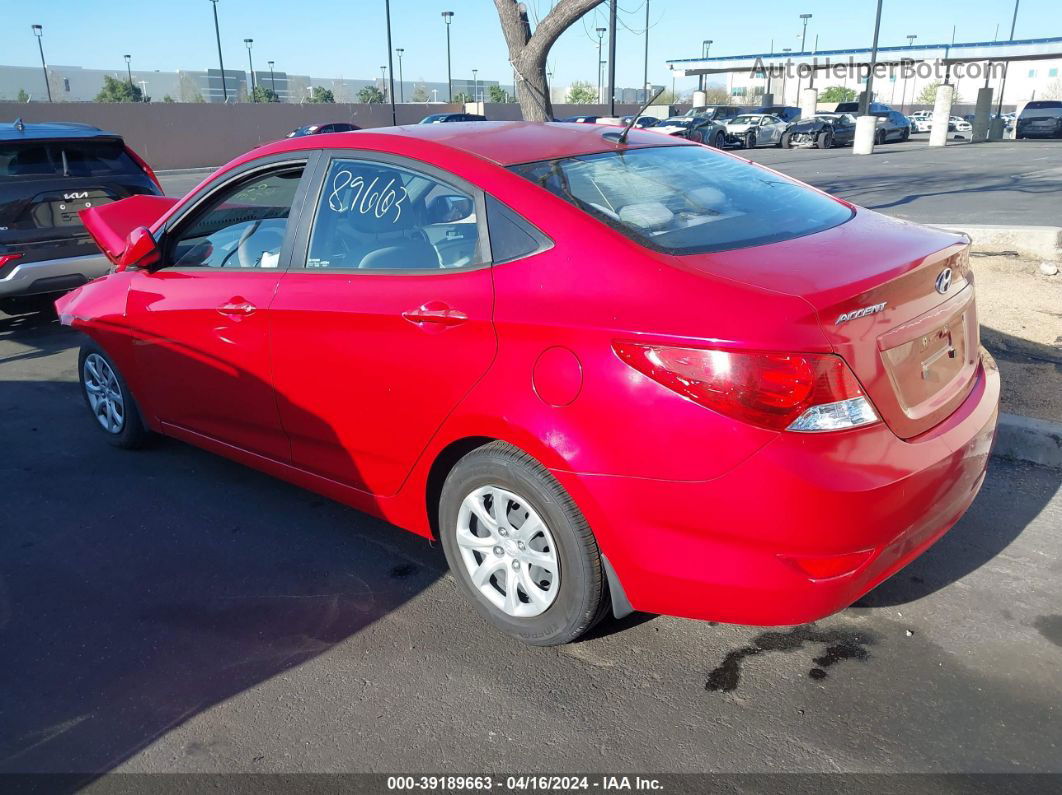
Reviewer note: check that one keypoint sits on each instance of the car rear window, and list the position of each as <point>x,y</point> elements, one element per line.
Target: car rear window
<point>64,158</point>
<point>1042,109</point>
<point>687,199</point>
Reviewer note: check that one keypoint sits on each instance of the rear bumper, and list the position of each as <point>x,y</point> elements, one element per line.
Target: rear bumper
<point>726,549</point>
<point>52,276</point>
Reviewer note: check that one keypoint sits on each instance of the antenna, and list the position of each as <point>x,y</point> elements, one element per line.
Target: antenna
<point>621,138</point>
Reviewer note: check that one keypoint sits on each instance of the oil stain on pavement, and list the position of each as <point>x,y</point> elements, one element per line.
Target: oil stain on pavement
<point>841,644</point>
<point>1050,627</point>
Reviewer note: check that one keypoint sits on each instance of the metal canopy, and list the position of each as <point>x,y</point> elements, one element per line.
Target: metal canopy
<point>1019,50</point>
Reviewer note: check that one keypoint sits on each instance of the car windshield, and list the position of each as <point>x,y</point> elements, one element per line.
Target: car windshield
<point>435,117</point>
<point>745,120</point>
<point>687,199</point>
<point>678,121</point>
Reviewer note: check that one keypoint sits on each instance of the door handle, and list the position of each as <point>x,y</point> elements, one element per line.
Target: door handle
<point>237,306</point>
<point>436,313</point>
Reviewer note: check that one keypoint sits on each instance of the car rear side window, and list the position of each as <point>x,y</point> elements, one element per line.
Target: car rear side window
<point>687,199</point>
<point>65,158</point>
<point>378,216</point>
<point>511,237</point>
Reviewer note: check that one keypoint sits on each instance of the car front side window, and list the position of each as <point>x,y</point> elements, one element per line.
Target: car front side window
<point>378,216</point>
<point>241,227</point>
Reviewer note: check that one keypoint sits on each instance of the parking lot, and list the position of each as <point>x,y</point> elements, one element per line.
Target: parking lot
<point>167,610</point>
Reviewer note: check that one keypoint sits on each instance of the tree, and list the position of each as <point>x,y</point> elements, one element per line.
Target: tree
<point>582,92</point>
<point>837,94</point>
<point>461,98</point>
<point>667,97</point>
<point>370,95</point>
<point>716,95</point>
<point>1053,90</point>
<point>929,93</point>
<point>528,51</point>
<point>320,95</point>
<point>499,94</point>
<point>420,93</point>
<point>120,91</point>
<point>263,94</point>
<point>167,99</point>
<point>22,95</point>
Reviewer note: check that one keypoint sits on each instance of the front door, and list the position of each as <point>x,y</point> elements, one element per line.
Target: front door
<point>383,323</point>
<point>201,318</point>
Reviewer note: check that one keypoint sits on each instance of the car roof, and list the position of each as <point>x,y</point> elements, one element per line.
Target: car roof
<point>35,131</point>
<point>503,142</point>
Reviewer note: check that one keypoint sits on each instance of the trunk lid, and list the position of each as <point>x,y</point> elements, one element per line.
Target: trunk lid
<point>873,282</point>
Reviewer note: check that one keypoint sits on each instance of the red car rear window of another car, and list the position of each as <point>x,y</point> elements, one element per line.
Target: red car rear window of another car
<point>687,199</point>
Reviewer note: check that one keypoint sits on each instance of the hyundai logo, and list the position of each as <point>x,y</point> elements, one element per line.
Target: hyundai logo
<point>944,281</point>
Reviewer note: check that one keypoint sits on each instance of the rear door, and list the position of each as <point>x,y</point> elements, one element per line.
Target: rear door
<point>202,317</point>
<point>45,183</point>
<point>384,321</point>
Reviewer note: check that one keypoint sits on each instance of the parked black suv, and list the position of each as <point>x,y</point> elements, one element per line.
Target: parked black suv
<point>1040,118</point>
<point>48,173</point>
<point>438,118</point>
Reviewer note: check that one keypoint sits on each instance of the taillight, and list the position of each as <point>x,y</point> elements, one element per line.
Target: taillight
<point>143,164</point>
<point>779,391</point>
<point>8,263</point>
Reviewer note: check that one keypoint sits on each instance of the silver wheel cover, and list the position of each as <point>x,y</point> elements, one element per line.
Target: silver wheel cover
<point>508,552</point>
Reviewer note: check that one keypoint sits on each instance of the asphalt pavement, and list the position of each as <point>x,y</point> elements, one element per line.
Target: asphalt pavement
<point>167,610</point>
<point>1003,182</point>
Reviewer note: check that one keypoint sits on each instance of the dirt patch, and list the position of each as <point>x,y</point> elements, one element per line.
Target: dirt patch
<point>1021,325</point>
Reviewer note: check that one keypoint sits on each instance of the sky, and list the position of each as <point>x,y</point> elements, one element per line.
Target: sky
<point>346,38</point>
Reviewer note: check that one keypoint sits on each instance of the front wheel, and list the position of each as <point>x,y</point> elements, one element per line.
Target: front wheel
<point>108,398</point>
<point>519,547</point>
<point>719,142</point>
<point>825,141</point>
<point>750,141</point>
<point>880,138</point>
<point>786,142</point>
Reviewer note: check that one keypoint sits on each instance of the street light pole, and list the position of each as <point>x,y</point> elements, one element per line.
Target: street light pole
<point>391,64</point>
<point>903,94</point>
<point>273,81</point>
<point>38,31</point>
<point>612,58</point>
<point>600,32</point>
<point>803,41</point>
<point>475,85</point>
<point>401,80</point>
<point>250,63</point>
<point>785,74</point>
<point>645,70</point>
<point>868,95</point>
<point>447,17</point>
<point>706,47</point>
<point>128,68</point>
<point>221,62</point>
<point>1006,66</point>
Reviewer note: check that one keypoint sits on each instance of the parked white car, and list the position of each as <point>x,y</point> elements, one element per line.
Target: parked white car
<point>958,124</point>
<point>755,129</point>
<point>921,120</point>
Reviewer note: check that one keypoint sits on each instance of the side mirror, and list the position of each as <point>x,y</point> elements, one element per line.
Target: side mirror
<point>140,251</point>
<point>442,209</point>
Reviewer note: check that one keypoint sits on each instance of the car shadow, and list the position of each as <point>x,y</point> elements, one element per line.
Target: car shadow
<point>139,588</point>
<point>39,333</point>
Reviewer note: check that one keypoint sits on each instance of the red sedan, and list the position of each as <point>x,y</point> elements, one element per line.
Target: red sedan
<point>607,375</point>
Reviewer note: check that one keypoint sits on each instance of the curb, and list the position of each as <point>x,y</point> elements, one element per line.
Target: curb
<point>1038,242</point>
<point>1028,439</point>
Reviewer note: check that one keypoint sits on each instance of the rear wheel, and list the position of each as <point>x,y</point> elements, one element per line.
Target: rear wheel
<point>880,137</point>
<point>697,136</point>
<point>108,398</point>
<point>750,141</point>
<point>520,548</point>
<point>786,143</point>
<point>720,140</point>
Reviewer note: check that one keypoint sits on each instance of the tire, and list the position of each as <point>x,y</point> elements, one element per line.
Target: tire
<point>697,137</point>
<point>719,142</point>
<point>824,141</point>
<point>785,143</point>
<point>880,138</point>
<point>101,381</point>
<point>906,134</point>
<point>750,141</point>
<point>572,598</point>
